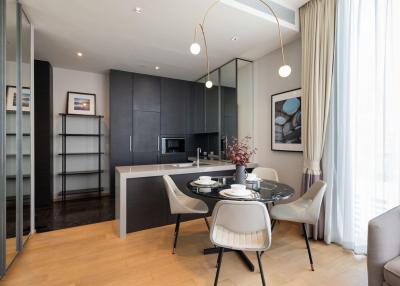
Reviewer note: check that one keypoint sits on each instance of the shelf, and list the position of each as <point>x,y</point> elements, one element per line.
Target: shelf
<point>14,112</point>
<point>15,134</point>
<point>81,191</point>
<point>80,134</point>
<point>81,115</point>
<point>81,153</point>
<point>13,177</point>
<point>87,172</point>
<point>15,155</point>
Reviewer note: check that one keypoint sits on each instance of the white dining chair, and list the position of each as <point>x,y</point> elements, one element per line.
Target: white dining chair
<point>304,210</point>
<point>266,173</point>
<point>243,226</point>
<point>180,204</point>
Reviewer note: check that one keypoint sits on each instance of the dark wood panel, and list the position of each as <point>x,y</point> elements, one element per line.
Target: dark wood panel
<point>146,93</point>
<point>212,109</point>
<point>145,158</point>
<point>146,131</point>
<point>174,97</point>
<point>121,121</point>
<point>197,108</point>
<point>43,129</point>
<point>173,158</point>
<point>147,203</point>
<point>147,200</point>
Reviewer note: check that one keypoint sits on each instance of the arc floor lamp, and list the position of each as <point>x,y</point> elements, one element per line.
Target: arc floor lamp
<point>195,48</point>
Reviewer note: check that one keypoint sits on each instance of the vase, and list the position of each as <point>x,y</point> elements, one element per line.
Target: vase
<point>240,175</point>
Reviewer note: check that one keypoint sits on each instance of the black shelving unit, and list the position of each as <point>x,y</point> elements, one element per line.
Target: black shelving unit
<point>64,154</point>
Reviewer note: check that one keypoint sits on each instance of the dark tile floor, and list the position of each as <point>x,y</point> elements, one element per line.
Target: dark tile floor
<point>74,213</point>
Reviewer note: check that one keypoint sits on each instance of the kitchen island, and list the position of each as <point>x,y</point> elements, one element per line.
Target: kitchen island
<point>141,201</point>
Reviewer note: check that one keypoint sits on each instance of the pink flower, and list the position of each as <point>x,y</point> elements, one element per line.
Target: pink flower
<point>240,151</point>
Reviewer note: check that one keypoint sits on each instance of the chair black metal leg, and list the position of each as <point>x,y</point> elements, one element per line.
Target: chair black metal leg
<point>273,224</point>
<point>308,246</point>
<point>219,262</point>
<point>178,222</point>
<point>261,269</point>
<point>208,225</point>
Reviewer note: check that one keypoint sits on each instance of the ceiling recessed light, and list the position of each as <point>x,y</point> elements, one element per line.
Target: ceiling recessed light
<point>138,10</point>
<point>234,38</point>
<point>79,54</point>
<point>157,67</point>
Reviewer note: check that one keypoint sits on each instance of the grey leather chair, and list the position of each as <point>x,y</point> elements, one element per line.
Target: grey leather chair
<point>304,210</point>
<point>266,173</point>
<point>180,203</point>
<point>383,258</point>
<point>240,225</point>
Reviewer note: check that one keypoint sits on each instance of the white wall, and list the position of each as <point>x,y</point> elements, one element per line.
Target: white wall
<point>245,99</point>
<point>65,80</point>
<point>266,83</point>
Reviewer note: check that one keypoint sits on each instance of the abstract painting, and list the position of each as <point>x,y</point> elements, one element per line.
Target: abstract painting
<point>286,121</point>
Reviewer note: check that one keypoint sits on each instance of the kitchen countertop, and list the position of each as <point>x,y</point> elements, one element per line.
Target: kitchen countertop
<point>141,171</point>
<point>124,173</point>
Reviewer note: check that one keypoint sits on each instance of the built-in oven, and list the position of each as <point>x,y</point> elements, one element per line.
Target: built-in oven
<point>172,145</point>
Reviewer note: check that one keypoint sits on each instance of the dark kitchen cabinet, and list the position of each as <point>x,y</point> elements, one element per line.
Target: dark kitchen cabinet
<point>121,121</point>
<point>174,106</point>
<point>197,108</point>
<point>134,120</point>
<point>146,131</point>
<point>43,138</point>
<point>145,158</point>
<point>211,110</point>
<point>146,91</point>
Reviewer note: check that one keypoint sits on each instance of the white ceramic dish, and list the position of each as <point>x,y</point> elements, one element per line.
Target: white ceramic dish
<point>235,194</point>
<point>205,183</point>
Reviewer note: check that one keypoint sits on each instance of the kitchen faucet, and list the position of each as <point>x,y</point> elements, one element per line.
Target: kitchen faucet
<point>198,156</point>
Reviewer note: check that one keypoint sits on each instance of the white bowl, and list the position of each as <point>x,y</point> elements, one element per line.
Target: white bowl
<point>238,187</point>
<point>205,178</point>
<point>251,177</point>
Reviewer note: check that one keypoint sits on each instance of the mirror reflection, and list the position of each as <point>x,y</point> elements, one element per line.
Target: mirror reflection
<point>11,32</point>
<point>26,122</point>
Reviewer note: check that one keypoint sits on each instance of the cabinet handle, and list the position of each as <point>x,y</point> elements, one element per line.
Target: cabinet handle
<point>130,143</point>
<point>158,143</point>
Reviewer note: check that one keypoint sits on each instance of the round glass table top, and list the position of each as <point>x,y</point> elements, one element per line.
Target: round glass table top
<point>263,191</point>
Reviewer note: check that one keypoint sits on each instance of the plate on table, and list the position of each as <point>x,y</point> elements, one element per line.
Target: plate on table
<point>236,193</point>
<point>205,183</point>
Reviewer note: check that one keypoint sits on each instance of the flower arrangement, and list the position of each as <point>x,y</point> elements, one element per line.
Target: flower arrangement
<point>240,151</point>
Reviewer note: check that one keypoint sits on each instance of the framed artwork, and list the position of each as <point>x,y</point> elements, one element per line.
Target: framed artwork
<point>286,110</point>
<point>12,98</point>
<point>81,103</point>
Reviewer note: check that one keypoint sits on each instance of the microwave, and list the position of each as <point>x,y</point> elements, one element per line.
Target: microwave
<point>171,145</point>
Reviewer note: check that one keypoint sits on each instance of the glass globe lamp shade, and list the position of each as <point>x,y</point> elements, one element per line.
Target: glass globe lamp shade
<point>195,48</point>
<point>209,84</point>
<point>284,71</point>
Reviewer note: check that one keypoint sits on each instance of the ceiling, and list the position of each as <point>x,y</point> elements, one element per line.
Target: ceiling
<point>111,35</point>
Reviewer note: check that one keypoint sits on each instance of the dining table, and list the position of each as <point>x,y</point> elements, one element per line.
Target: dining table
<point>265,191</point>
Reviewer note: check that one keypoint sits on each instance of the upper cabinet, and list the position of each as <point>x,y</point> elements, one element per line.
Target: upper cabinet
<point>212,110</point>
<point>174,106</point>
<point>197,108</point>
<point>146,90</point>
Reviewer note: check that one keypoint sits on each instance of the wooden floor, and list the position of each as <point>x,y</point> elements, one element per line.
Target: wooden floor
<point>93,255</point>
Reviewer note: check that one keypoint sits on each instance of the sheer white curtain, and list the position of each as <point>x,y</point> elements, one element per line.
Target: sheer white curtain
<point>362,156</point>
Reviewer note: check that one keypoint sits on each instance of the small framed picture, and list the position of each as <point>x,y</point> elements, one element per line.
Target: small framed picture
<point>81,103</point>
<point>12,98</point>
<point>286,121</point>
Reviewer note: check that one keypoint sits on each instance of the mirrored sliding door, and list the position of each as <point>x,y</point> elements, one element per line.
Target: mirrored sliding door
<point>15,131</point>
